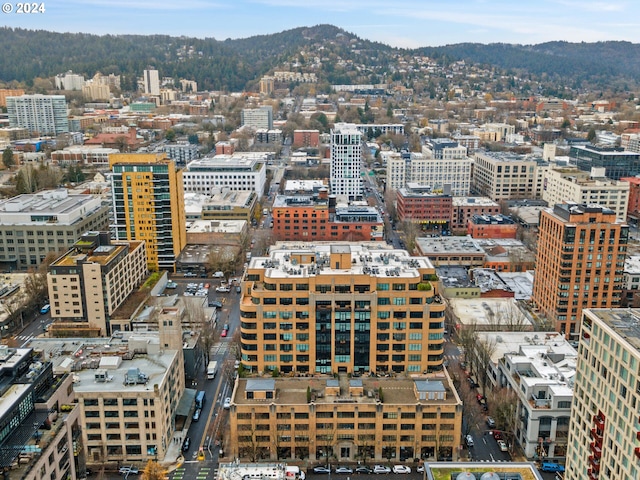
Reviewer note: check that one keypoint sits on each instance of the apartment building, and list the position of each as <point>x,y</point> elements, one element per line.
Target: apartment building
<point>507,176</point>
<point>257,117</point>
<point>39,417</point>
<point>35,225</point>
<point>323,419</point>
<point>306,138</point>
<point>450,173</point>
<point>420,205</point>
<point>151,82</point>
<point>341,307</point>
<point>223,204</point>
<point>617,162</point>
<point>316,217</point>
<point>148,205</point>
<point>444,149</point>
<point>237,172</point>
<point>463,208</point>
<point>128,400</point>
<point>9,92</point>
<point>633,208</point>
<point>89,282</point>
<point>69,81</point>
<point>40,114</point>
<point>346,161</point>
<point>540,369</point>
<point>81,155</point>
<point>604,430</point>
<point>579,263</point>
<point>571,185</point>
<point>377,129</point>
<point>181,153</point>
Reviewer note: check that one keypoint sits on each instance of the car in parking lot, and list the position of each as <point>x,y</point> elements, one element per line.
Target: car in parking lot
<point>491,423</point>
<point>381,469</point>
<point>222,289</point>
<point>401,469</point>
<point>215,303</point>
<point>363,469</point>
<point>321,469</point>
<point>186,444</point>
<point>502,445</point>
<point>343,470</point>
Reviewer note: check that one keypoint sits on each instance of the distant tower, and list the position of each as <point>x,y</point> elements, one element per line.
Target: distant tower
<point>151,82</point>
<point>346,161</point>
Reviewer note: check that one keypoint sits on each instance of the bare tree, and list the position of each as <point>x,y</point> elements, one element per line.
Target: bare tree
<point>504,403</point>
<point>471,411</point>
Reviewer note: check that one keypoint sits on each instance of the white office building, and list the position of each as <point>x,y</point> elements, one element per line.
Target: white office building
<point>346,161</point>
<point>233,172</point>
<point>257,118</point>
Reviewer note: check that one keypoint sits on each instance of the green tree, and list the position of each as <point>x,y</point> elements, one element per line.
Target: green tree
<point>591,135</point>
<point>170,135</point>
<point>7,158</point>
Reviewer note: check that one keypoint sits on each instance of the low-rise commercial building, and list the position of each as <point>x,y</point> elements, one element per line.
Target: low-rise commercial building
<point>448,251</point>
<point>419,204</point>
<point>238,172</point>
<point>491,226</point>
<point>367,419</point>
<point>463,208</point>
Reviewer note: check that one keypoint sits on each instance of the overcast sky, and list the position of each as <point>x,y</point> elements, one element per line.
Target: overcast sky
<point>400,23</point>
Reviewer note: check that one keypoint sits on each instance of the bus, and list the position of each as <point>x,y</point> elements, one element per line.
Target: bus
<point>200,399</point>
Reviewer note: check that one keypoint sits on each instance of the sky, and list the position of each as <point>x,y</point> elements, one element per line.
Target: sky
<point>399,23</point>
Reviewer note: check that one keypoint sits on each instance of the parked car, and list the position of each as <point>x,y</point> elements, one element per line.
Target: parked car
<point>469,441</point>
<point>363,469</point>
<point>186,444</point>
<point>381,469</point>
<point>420,468</point>
<point>215,303</point>
<point>128,471</point>
<point>45,309</point>
<point>497,435</point>
<point>401,469</point>
<point>503,446</point>
<point>552,467</point>
<point>196,414</point>
<point>172,285</point>
<point>321,469</point>
<point>223,333</point>
<point>238,289</point>
<point>491,423</point>
<point>227,403</point>
<point>218,275</point>
<point>222,289</point>
<point>343,470</point>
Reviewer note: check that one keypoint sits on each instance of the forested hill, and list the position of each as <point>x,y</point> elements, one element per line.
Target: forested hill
<point>574,63</point>
<point>235,64</point>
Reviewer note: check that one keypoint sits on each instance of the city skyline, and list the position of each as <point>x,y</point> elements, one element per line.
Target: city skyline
<point>406,23</point>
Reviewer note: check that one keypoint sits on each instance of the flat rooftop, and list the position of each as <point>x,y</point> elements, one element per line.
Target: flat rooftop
<point>626,322</point>
<point>371,258</point>
<point>216,226</point>
<point>101,255</point>
<point>490,313</point>
<point>473,202</point>
<point>448,245</point>
<point>396,390</point>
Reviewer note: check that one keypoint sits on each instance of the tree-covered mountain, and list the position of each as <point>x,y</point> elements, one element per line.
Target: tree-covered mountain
<point>236,64</point>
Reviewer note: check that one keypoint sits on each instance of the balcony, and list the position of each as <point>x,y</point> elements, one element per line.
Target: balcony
<point>637,451</point>
<point>597,436</point>
<point>599,422</point>
<point>595,463</point>
<point>596,449</point>
<point>592,474</point>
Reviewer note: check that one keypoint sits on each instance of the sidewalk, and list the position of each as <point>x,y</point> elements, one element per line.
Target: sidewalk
<point>173,458</point>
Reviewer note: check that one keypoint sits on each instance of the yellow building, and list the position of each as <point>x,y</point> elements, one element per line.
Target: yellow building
<point>345,419</point>
<point>148,199</point>
<point>341,308</point>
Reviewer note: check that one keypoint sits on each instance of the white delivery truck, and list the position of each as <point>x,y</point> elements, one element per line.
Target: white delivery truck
<point>212,369</point>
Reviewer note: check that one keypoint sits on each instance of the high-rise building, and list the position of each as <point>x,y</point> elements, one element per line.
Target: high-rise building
<point>69,81</point>
<point>579,263</point>
<point>148,204</point>
<point>341,307</point>
<point>89,282</point>
<point>346,161</point>
<point>617,162</point>
<point>151,82</point>
<point>604,430</point>
<point>41,114</point>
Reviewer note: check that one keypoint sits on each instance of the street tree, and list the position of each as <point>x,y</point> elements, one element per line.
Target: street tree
<point>7,158</point>
<point>154,471</point>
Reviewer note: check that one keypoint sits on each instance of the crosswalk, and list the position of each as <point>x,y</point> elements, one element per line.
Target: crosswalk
<point>24,339</point>
<point>202,473</point>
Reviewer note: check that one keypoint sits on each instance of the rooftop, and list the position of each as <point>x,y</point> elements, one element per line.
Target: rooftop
<point>216,226</point>
<point>448,245</point>
<point>454,277</point>
<point>306,259</point>
<point>473,202</point>
<point>490,313</point>
<point>625,322</point>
